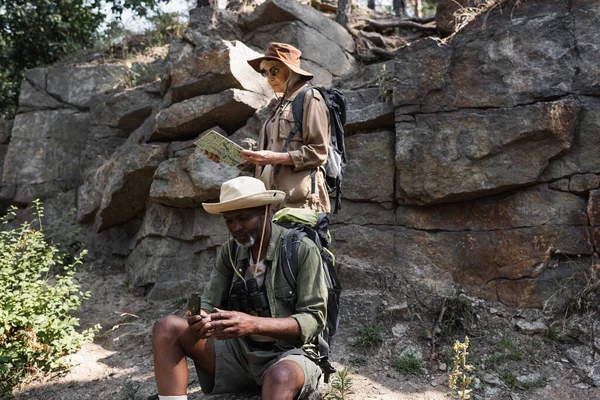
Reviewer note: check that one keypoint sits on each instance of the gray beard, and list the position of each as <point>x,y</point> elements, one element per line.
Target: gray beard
<point>248,244</point>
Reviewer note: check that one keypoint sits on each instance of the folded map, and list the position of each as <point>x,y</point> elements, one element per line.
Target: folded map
<point>217,144</point>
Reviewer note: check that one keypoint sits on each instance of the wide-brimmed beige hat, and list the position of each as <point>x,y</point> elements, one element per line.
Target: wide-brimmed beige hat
<point>243,192</point>
<point>287,54</point>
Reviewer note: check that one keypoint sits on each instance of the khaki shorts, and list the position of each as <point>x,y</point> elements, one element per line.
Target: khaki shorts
<point>241,368</point>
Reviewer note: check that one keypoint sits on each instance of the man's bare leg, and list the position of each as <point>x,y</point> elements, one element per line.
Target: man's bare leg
<point>172,341</point>
<point>283,381</point>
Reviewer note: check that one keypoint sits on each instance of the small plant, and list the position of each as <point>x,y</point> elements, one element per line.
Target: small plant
<point>506,350</point>
<point>459,379</point>
<point>370,337</point>
<point>409,364</point>
<point>509,379</point>
<point>341,386</point>
<point>37,293</point>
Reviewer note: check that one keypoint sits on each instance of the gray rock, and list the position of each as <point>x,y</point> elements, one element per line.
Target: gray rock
<point>369,175</point>
<point>146,391</point>
<point>124,183</point>
<point>494,62</point>
<point>33,98</point>
<point>274,11</point>
<point>582,358</point>
<point>582,157</point>
<point>398,312</point>
<point>167,222</point>
<point>466,154</point>
<point>367,109</point>
<point>581,184</point>
<point>587,47</point>
<point>76,85</point>
<point>215,67</point>
<point>399,330</point>
<point>529,378</point>
<point>43,154</point>
<point>189,179</point>
<point>101,143</point>
<point>536,205</point>
<point>229,109</point>
<point>125,110</point>
<point>317,49</point>
<point>531,328</point>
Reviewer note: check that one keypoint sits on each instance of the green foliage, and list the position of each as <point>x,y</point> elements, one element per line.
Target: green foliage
<point>370,337</point>
<point>341,386</point>
<point>458,313</point>
<point>34,33</point>
<point>37,293</point>
<point>460,379</point>
<point>409,364</point>
<point>506,350</point>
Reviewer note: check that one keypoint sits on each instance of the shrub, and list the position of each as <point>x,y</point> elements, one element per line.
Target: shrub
<point>409,364</point>
<point>37,293</point>
<point>370,337</point>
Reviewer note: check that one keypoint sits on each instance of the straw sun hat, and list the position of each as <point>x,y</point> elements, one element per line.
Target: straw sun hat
<point>287,54</point>
<point>243,192</point>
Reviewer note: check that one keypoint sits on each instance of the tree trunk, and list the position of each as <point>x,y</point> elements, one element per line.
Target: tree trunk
<point>343,12</point>
<point>371,4</point>
<point>399,7</point>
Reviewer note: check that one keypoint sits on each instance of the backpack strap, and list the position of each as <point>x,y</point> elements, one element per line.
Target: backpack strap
<point>297,112</point>
<point>289,260</point>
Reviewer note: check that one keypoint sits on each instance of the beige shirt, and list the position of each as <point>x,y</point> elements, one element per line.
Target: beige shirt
<point>308,150</point>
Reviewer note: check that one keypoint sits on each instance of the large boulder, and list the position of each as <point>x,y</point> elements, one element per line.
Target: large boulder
<point>33,95</point>
<point>5,130</point>
<point>229,110</point>
<point>75,86</point>
<point>118,191</point>
<point>213,67</point>
<point>470,153</point>
<point>189,179</point>
<point>125,110</point>
<point>43,154</point>
<point>368,109</point>
<point>502,59</point>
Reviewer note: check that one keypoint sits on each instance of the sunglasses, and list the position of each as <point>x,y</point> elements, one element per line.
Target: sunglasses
<point>272,71</point>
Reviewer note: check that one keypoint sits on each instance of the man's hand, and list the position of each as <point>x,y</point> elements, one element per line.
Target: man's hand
<point>198,324</point>
<point>266,157</point>
<point>230,324</point>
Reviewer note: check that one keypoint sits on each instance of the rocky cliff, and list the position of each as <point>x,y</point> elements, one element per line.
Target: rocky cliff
<point>473,162</point>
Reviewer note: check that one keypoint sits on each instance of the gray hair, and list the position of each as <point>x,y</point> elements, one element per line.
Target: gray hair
<point>293,78</point>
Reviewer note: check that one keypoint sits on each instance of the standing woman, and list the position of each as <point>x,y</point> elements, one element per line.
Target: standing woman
<point>298,169</point>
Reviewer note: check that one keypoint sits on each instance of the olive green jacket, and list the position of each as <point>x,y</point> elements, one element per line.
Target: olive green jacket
<point>308,307</point>
<point>308,150</point>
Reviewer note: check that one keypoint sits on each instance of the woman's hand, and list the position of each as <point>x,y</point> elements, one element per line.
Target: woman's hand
<point>213,157</point>
<point>266,157</point>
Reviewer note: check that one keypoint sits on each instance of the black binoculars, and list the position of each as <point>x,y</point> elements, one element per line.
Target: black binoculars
<point>246,297</point>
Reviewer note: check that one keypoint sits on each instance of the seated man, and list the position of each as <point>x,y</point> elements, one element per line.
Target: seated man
<point>243,341</point>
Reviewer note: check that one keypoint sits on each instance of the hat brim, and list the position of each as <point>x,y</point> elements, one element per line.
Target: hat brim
<point>249,201</point>
<point>255,64</point>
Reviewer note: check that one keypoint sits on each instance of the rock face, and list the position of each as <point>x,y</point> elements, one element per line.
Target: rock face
<point>472,164</point>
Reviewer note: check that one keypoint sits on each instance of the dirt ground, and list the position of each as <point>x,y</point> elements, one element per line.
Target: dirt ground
<point>118,364</point>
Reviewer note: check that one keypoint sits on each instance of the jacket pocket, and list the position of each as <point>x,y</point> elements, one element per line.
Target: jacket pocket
<point>285,297</point>
<point>286,124</point>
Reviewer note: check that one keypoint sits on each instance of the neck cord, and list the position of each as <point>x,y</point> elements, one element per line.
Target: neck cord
<point>259,247</point>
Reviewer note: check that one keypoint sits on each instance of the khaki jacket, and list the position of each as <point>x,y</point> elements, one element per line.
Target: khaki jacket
<point>308,150</point>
